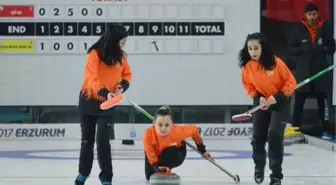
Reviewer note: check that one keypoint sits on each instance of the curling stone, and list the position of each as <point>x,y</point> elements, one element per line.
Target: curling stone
<point>163,179</point>
<point>294,139</point>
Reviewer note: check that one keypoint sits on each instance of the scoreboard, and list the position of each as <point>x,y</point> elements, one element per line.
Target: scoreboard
<point>177,49</point>
<point>72,28</point>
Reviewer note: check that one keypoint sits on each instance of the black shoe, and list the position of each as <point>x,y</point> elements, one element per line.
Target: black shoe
<point>80,180</point>
<point>275,181</point>
<point>259,175</point>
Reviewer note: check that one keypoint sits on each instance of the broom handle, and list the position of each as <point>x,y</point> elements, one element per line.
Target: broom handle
<point>317,75</point>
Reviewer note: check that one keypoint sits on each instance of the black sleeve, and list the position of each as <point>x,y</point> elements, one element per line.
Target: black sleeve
<point>280,97</point>
<point>124,84</point>
<point>103,92</point>
<point>328,40</point>
<point>294,45</point>
<point>201,148</point>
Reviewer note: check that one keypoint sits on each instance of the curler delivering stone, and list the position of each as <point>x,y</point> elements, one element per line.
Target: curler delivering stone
<point>163,179</point>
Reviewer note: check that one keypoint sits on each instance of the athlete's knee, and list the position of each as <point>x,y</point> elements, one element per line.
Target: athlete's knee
<point>258,144</point>
<point>87,143</point>
<point>275,144</point>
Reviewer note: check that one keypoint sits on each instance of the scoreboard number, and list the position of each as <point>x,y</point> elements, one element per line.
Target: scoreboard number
<point>169,29</point>
<point>99,12</point>
<point>70,12</point>
<point>98,28</point>
<point>55,11</point>
<point>63,46</point>
<point>84,11</point>
<point>42,11</point>
<point>155,28</point>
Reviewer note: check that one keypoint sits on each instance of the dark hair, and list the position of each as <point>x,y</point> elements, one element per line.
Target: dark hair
<point>267,59</point>
<point>108,45</point>
<point>164,111</point>
<point>311,7</point>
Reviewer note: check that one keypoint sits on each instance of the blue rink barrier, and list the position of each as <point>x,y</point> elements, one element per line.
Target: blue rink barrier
<point>119,154</point>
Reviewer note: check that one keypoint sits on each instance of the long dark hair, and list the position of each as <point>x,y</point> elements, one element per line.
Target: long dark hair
<point>108,45</point>
<point>267,59</point>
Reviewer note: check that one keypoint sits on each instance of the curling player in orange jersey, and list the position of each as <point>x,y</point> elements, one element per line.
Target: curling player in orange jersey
<point>164,143</point>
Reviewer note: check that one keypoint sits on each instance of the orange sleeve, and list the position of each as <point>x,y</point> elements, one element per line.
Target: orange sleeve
<point>192,131</point>
<point>288,77</point>
<point>149,147</point>
<point>92,63</point>
<point>126,73</point>
<point>248,86</point>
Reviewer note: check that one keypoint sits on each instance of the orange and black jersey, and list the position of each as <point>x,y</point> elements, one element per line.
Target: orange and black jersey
<point>100,79</point>
<point>154,144</point>
<point>277,82</point>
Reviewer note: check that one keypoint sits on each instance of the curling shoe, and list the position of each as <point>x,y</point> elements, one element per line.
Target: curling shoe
<point>275,181</point>
<point>80,180</point>
<point>259,175</point>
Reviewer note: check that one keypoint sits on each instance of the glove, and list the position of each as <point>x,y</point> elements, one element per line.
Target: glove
<point>124,84</point>
<point>201,148</point>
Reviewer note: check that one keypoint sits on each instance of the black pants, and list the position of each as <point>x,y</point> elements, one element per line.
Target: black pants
<point>300,98</point>
<point>268,127</point>
<point>88,128</point>
<point>171,157</point>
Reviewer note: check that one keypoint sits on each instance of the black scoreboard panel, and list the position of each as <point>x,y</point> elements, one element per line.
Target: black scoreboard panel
<point>97,28</point>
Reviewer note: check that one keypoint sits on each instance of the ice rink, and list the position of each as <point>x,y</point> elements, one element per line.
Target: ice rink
<point>54,162</point>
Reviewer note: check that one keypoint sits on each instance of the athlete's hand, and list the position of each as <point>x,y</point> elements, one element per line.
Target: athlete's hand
<point>110,95</point>
<point>263,103</point>
<point>271,100</point>
<point>119,90</point>
<point>207,155</point>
